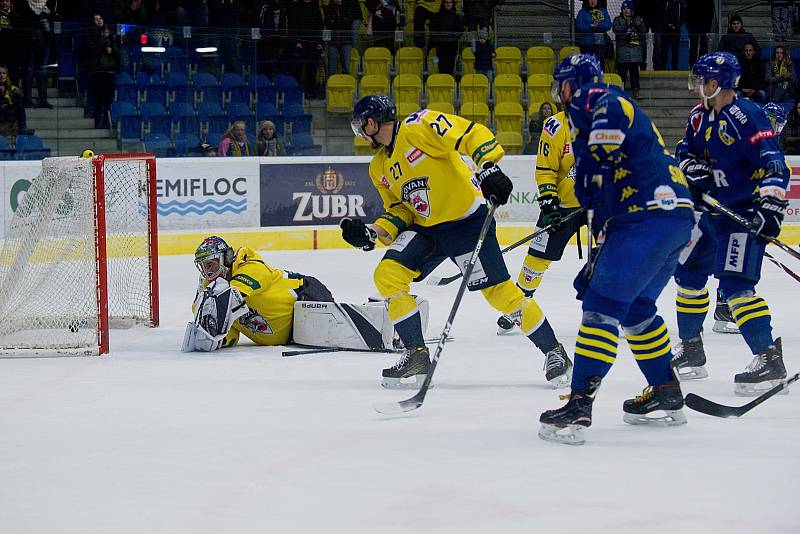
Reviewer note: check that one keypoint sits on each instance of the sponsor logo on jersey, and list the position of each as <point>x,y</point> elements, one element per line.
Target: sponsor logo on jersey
<point>249,281</point>
<point>761,134</point>
<point>724,136</point>
<point>567,148</point>
<point>414,156</point>
<point>603,137</point>
<point>695,120</point>
<point>384,181</point>
<point>738,114</point>
<point>735,253</point>
<point>551,126</point>
<point>416,118</point>
<point>665,197</point>
<point>415,192</point>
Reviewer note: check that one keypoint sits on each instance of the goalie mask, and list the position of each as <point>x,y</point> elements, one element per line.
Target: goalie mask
<point>213,258</point>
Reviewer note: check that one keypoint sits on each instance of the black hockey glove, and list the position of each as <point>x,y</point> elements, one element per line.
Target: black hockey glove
<point>495,185</point>
<point>358,234</point>
<point>700,178</point>
<point>551,215</point>
<point>769,216</point>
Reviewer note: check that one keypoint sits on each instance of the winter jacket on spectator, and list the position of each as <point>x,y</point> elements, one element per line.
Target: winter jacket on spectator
<point>734,40</point>
<point>699,16</point>
<point>630,35</point>
<point>305,22</point>
<point>591,21</point>
<point>130,12</point>
<point>339,19</point>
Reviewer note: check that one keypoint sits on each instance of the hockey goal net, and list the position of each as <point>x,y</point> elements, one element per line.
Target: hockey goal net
<point>80,255</point>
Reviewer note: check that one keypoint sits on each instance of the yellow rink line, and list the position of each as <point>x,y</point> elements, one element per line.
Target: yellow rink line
<point>330,238</point>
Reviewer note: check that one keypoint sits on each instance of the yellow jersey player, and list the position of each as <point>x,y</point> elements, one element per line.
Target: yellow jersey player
<point>555,176</point>
<point>434,209</point>
<point>242,294</point>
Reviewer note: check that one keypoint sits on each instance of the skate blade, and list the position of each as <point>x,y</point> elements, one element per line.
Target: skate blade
<point>567,435</point>
<point>754,390</point>
<point>562,381</point>
<point>412,382</point>
<point>724,327</point>
<point>691,373</point>
<point>505,332</point>
<point>670,418</point>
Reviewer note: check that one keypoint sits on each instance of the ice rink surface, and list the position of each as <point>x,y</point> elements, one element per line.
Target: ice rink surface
<point>150,440</point>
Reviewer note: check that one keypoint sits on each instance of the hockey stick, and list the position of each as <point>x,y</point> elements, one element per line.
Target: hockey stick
<point>781,266</point>
<point>439,281</point>
<point>703,405</point>
<point>322,350</point>
<point>393,408</point>
<point>713,202</point>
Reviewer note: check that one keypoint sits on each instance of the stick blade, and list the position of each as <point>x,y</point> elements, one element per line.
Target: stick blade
<point>708,407</point>
<point>397,408</point>
<point>433,280</point>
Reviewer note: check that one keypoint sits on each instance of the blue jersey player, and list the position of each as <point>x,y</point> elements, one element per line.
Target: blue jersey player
<point>731,151</point>
<point>639,197</point>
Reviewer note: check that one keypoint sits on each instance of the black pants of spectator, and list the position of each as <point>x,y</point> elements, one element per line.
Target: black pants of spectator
<point>382,38</point>
<point>446,52</point>
<point>631,69</point>
<point>421,16</point>
<point>37,69</point>
<point>14,113</point>
<point>102,90</point>
<point>305,66</point>
<point>698,46</point>
<point>667,49</point>
<point>269,53</point>
<point>475,24</point>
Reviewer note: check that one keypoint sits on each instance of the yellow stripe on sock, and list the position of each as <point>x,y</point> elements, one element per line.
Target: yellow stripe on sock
<point>648,335</point>
<point>594,355</point>
<point>598,332</point>
<point>596,343</point>
<point>651,355</point>
<point>694,292</point>
<point>742,300</point>
<point>742,320</point>
<point>692,310</point>
<point>647,346</point>
<point>739,310</point>
<point>683,300</point>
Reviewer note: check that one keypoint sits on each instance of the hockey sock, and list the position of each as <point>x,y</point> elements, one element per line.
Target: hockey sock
<point>754,321</point>
<point>410,331</point>
<point>651,348</point>
<point>530,276</point>
<point>544,337</point>
<point>692,307</point>
<point>595,352</point>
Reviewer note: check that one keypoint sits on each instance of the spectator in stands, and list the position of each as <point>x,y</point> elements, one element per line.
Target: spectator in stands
<point>103,65</point>
<point>484,54</point>
<point>591,25</point>
<point>425,11</point>
<point>207,150</point>
<point>272,22</point>
<point>7,34</point>
<point>447,29</point>
<point>12,112</point>
<point>133,14</point>
<point>535,128</point>
<point>630,31</point>
<point>780,77</point>
<point>780,19</point>
<point>790,138</point>
<point>33,46</point>
<point>649,10</point>
<point>234,143</point>
<point>268,142</point>
<point>358,18</point>
<point>382,22</point>
<point>170,13</point>
<point>752,82</point>
<point>734,40</point>
<point>339,20</point>
<point>479,13</point>
<point>223,17</point>
<point>669,37</point>
<point>305,35</point>
<point>699,18</point>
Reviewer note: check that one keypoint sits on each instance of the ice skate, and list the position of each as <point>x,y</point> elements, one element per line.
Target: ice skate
<point>567,424</point>
<point>665,397</point>
<point>724,322</point>
<point>410,371</point>
<point>558,367</point>
<point>764,372</point>
<point>507,323</point>
<point>690,359</point>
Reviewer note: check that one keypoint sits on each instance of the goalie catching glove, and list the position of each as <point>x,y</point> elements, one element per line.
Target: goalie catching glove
<point>216,308</point>
<point>358,234</point>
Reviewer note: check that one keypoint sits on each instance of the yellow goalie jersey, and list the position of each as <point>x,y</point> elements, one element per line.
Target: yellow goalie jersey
<point>421,176</point>
<point>555,162</point>
<point>269,293</point>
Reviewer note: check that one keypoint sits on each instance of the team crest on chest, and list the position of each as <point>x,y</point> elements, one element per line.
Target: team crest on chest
<point>724,136</point>
<point>415,192</point>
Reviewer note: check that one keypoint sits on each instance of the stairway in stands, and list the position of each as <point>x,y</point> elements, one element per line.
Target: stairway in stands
<point>523,23</point>
<point>667,100</point>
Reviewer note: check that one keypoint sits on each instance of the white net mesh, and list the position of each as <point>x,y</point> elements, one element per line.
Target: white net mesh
<point>48,265</point>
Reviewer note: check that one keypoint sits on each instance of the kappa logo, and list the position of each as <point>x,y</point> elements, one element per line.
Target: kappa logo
<point>415,192</point>
<point>551,126</point>
<point>414,156</point>
<point>759,135</point>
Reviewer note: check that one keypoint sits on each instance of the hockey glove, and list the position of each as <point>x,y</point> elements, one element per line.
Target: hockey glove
<point>589,186</point>
<point>551,215</point>
<point>495,185</point>
<point>700,178</point>
<point>358,234</point>
<point>581,281</point>
<point>769,216</point>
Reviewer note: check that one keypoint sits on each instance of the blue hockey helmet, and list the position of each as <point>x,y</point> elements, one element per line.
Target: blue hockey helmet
<point>720,66</point>
<point>578,70</point>
<point>379,108</point>
<point>213,258</point>
<point>776,115</point>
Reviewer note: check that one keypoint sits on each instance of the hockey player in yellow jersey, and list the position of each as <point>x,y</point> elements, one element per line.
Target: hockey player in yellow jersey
<point>240,293</point>
<point>434,209</point>
<point>555,176</point>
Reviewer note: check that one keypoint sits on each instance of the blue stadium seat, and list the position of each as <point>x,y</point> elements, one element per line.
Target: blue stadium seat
<point>126,89</point>
<point>213,138</point>
<point>206,89</point>
<point>241,112</point>
<point>177,85</point>
<point>282,81</point>
<point>186,144</point>
<point>142,79</point>
<point>156,119</point>
<point>157,143</point>
<point>212,115</point>
<point>30,147</point>
<point>184,119</point>
<point>67,65</point>
<point>177,62</point>
<point>259,80</point>
<point>293,96</point>
<point>6,152</point>
<point>127,120</point>
<point>156,91</point>
<point>235,89</point>
<point>298,118</point>
<point>303,145</point>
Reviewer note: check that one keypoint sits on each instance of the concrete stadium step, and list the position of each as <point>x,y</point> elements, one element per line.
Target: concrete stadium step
<point>74,133</point>
<point>55,114</point>
<point>60,123</point>
<point>75,147</point>
<point>58,102</point>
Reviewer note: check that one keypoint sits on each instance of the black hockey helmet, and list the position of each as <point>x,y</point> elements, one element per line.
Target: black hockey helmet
<point>379,108</point>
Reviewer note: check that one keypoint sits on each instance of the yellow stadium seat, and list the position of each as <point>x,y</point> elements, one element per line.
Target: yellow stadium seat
<point>355,62</point>
<point>467,61</point>
<point>444,107</point>
<point>508,117</point>
<point>475,111</point>
<point>508,60</point>
<point>613,79</point>
<point>510,141</point>
<point>407,88</point>
<point>474,88</point>
<point>567,51</point>
<point>373,84</point>
<point>539,87</point>
<point>431,66</point>
<point>409,60</point>
<point>340,91</point>
<point>404,109</point>
<point>507,88</point>
<point>361,147</point>
<point>440,88</point>
<point>377,60</point>
<point>540,60</point>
